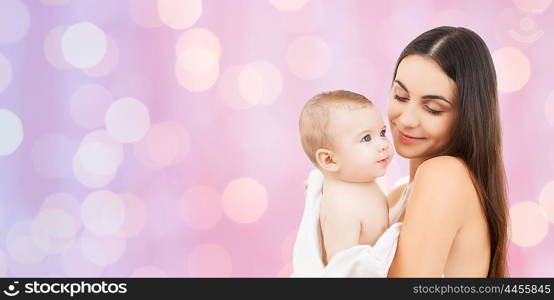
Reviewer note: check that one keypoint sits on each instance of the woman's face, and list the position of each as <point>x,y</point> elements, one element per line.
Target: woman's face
<point>421,107</point>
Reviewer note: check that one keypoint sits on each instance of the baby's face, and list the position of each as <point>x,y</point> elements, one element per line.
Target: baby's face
<point>362,150</point>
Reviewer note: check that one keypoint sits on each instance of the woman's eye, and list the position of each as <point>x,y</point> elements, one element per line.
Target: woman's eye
<point>432,111</point>
<point>366,138</point>
<point>401,99</point>
<point>383,132</point>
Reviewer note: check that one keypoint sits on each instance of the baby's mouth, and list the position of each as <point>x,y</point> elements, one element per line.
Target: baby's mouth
<point>384,161</point>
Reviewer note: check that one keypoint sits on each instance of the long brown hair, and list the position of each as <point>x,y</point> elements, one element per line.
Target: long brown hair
<point>476,137</point>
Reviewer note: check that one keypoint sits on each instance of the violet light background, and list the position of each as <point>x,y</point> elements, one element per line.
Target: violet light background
<point>159,138</point>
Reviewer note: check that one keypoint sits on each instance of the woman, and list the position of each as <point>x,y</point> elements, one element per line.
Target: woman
<point>443,114</point>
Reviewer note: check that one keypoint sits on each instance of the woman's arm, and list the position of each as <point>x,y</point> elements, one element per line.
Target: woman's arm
<point>435,212</point>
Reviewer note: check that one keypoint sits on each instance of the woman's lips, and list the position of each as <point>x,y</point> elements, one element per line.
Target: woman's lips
<point>407,139</point>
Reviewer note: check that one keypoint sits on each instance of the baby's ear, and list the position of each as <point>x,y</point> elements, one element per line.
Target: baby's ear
<point>326,160</point>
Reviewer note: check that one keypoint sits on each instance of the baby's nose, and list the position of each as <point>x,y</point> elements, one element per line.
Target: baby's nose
<point>384,146</point>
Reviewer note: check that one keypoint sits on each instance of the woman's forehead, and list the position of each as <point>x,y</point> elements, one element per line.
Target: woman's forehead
<point>421,75</point>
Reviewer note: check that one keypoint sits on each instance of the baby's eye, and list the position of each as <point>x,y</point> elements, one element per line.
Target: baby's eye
<point>366,138</point>
<point>383,132</point>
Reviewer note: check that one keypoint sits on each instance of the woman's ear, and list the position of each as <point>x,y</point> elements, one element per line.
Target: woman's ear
<point>326,160</point>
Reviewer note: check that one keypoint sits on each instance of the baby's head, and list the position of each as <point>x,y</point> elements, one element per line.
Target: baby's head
<point>343,134</point>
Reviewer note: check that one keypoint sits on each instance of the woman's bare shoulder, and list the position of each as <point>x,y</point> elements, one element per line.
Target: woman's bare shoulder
<point>444,177</point>
<point>445,165</point>
<point>435,212</point>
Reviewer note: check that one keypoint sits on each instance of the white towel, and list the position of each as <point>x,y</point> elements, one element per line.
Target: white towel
<point>358,261</point>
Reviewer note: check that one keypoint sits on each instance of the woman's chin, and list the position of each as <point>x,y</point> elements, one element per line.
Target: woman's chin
<point>409,152</point>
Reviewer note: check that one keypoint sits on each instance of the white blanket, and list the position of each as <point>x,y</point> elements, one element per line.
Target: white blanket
<point>358,261</point>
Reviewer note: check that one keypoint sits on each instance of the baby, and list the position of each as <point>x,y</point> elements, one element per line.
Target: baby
<point>343,134</point>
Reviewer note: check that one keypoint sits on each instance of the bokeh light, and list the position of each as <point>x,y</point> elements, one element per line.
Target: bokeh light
<point>97,159</point>
<point>197,60</point>
<point>244,200</point>
<point>24,250</point>
<point>198,52</point>
<point>14,21</point>
<point>108,63</point>
<point>166,143</point>
<point>145,13</point>
<point>512,69</point>
<point>209,260</point>
<point>102,250</point>
<point>200,207</point>
<point>127,120</point>
<point>250,84</point>
<point>198,38</point>
<point>87,178</point>
<point>532,6</point>
<point>305,20</point>
<point>65,202</point>
<point>229,89</point>
<point>136,215</point>
<point>103,212</point>
<point>308,57</point>
<point>75,264</point>
<point>53,48</point>
<point>196,81</point>
<point>5,73</point>
<point>21,246</point>
<point>528,223</point>
<point>89,104</point>
<point>11,132</point>
<point>179,14</point>
<point>99,155</point>
<point>260,83</point>
<point>288,5</point>
<point>84,45</point>
<point>546,200</point>
<point>53,230</point>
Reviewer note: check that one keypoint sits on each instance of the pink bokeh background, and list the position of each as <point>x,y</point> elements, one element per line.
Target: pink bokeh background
<point>159,137</point>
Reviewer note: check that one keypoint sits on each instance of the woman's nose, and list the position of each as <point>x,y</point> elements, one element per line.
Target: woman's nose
<point>408,117</point>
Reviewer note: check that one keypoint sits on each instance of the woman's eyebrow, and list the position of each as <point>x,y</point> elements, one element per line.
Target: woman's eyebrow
<point>401,85</point>
<point>424,97</point>
<point>436,97</point>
